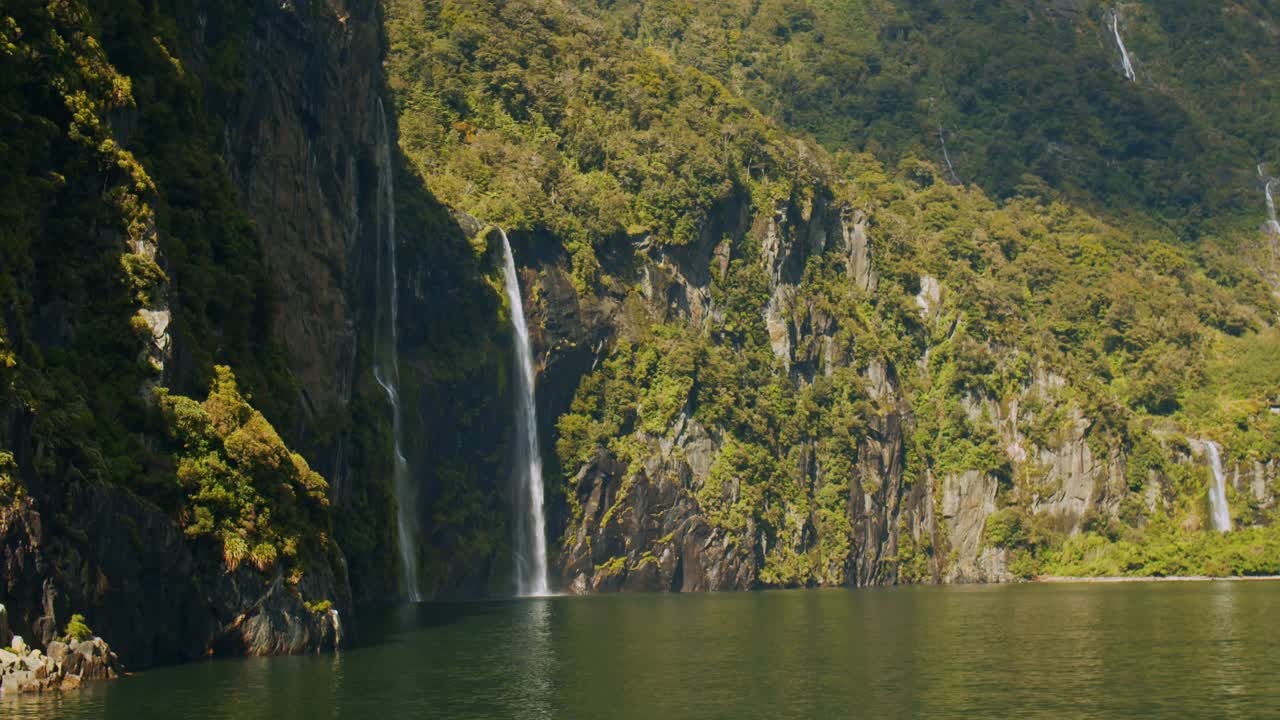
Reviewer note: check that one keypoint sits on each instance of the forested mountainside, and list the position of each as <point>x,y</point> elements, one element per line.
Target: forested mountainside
<point>1028,98</point>
<point>820,294</point>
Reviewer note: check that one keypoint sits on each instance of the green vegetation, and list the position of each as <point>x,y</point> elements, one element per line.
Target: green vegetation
<point>243,489</point>
<point>517,111</point>
<point>76,630</point>
<point>1161,550</point>
<point>1101,278</point>
<point>1027,99</point>
<point>86,227</point>
<point>530,116</point>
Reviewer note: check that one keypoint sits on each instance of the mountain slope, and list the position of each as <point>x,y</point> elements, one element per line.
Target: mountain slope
<point>1021,94</point>
<point>809,369</point>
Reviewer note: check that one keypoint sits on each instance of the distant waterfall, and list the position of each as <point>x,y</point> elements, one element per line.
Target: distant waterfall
<point>1124,54</point>
<point>947,156</point>
<point>531,541</point>
<point>1221,514</point>
<point>1268,182</point>
<point>386,360</point>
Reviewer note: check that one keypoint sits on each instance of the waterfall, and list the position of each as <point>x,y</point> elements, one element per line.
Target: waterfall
<point>1218,490</point>
<point>1124,54</point>
<point>531,541</point>
<point>947,156</point>
<point>1273,225</point>
<point>386,360</point>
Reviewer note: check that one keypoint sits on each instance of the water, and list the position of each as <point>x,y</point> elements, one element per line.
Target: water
<point>531,533</point>
<point>1143,650</point>
<point>386,360</point>
<point>1218,509</point>
<point>1124,54</point>
<point>1273,225</point>
<point>947,156</point>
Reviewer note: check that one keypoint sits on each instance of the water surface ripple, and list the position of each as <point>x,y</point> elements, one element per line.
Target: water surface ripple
<point>1032,651</point>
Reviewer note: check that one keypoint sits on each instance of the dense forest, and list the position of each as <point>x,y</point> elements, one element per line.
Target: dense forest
<point>821,293</point>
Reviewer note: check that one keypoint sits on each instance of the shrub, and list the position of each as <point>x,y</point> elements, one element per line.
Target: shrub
<point>76,629</point>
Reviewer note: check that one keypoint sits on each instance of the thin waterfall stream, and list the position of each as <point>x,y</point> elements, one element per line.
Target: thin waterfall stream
<point>1124,53</point>
<point>1218,510</point>
<point>530,540</point>
<point>1268,182</point>
<point>386,360</point>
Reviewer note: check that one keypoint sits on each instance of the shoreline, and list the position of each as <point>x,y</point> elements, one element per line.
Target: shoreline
<point>1065,579</point>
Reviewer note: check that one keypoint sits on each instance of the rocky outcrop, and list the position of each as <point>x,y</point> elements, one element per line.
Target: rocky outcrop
<point>130,570</point>
<point>642,529</point>
<point>645,532</point>
<point>63,667</point>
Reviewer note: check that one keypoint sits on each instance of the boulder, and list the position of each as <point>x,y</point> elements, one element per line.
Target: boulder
<point>19,681</point>
<point>18,645</point>
<point>91,660</point>
<point>58,651</point>
<point>7,660</point>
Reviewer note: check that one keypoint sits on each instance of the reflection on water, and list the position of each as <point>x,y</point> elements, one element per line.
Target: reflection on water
<point>534,661</point>
<point>1062,651</point>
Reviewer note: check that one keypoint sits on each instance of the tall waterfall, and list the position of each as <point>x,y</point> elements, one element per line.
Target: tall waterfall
<point>386,361</point>
<point>1218,490</point>
<point>1124,54</point>
<point>531,540</point>
<point>1268,182</point>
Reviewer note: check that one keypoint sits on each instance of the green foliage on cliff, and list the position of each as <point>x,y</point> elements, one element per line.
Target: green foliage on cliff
<point>1025,98</point>
<point>1108,325</point>
<point>529,115</point>
<point>76,629</point>
<point>76,212</point>
<point>83,220</point>
<point>241,487</point>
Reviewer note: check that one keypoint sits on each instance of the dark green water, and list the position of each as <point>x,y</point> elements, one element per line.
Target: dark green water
<point>1061,651</point>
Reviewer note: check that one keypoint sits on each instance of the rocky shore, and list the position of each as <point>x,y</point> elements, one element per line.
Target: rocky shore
<point>61,666</point>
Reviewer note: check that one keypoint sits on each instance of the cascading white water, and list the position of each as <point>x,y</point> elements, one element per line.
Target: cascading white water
<point>947,156</point>
<point>531,541</point>
<point>1221,514</point>
<point>1124,54</point>
<point>1273,225</point>
<point>386,361</point>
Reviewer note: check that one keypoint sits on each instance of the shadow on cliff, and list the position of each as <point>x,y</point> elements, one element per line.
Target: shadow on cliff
<point>453,346</point>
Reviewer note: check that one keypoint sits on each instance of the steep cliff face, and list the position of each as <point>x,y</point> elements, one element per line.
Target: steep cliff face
<point>644,526</point>
<point>645,510</point>
<point>256,247</point>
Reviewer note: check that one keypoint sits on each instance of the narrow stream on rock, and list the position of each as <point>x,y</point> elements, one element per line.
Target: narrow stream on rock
<point>1268,182</point>
<point>1124,53</point>
<point>386,360</point>
<point>530,540</point>
<point>1221,514</point>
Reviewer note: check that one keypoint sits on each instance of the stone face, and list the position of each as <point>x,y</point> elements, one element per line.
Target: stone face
<point>58,651</point>
<point>645,532</point>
